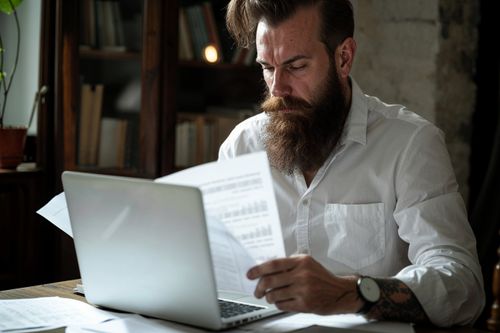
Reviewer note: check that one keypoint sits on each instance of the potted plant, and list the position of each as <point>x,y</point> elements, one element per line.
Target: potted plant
<point>11,138</point>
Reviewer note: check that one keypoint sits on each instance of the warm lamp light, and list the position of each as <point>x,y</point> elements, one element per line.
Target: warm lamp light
<point>210,54</point>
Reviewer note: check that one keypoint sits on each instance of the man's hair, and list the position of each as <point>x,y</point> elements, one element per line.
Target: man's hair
<point>243,16</point>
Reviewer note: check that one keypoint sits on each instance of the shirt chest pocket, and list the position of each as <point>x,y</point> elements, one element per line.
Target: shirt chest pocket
<point>356,233</point>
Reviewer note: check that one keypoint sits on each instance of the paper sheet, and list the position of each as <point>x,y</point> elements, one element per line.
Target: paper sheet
<point>56,211</point>
<point>238,196</point>
<point>351,321</point>
<point>134,324</point>
<point>48,312</point>
<point>24,315</point>
<point>284,323</point>
<point>230,259</point>
<point>239,193</point>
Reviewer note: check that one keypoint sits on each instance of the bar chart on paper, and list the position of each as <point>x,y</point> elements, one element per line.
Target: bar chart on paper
<point>257,233</point>
<point>241,197</point>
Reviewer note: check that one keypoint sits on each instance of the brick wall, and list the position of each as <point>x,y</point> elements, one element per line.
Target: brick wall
<point>421,53</point>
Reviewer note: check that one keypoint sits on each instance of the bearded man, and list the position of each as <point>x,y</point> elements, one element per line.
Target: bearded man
<point>371,215</point>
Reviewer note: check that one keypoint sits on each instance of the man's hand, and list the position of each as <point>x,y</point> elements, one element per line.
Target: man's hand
<point>301,284</point>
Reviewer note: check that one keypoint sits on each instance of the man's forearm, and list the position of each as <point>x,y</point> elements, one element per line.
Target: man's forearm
<point>397,303</point>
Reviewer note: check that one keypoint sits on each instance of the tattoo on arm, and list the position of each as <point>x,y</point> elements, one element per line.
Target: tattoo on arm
<point>398,303</point>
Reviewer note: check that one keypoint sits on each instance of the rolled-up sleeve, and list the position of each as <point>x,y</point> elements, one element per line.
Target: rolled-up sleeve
<point>445,275</point>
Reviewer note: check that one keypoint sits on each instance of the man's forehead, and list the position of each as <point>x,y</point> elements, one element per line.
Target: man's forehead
<point>304,22</point>
<point>299,35</point>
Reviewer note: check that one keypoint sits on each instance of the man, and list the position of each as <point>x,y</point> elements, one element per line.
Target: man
<point>369,205</point>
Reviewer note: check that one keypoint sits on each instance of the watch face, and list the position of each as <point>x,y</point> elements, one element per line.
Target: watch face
<point>369,289</point>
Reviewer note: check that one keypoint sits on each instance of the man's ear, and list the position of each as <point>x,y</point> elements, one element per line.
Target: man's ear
<point>345,57</point>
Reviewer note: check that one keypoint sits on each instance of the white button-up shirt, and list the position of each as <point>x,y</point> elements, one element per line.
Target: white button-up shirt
<point>385,203</point>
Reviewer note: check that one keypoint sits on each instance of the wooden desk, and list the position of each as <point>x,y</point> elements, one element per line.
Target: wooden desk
<point>65,289</point>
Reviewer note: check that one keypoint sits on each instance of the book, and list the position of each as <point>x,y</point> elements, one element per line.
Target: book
<point>118,24</point>
<point>209,148</point>
<point>195,27</point>
<point>108,23</point>
<point>86,100</point>
<point>199,135</point>
<point>95,123</point>
<point>112,144</point>
<point>182,145</point>
<point>87,24</point>
<point>89,123</point>
<point>224,126</point>
<point>185,40</point>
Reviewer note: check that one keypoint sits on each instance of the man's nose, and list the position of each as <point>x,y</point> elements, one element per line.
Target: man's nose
<point>280,85</point>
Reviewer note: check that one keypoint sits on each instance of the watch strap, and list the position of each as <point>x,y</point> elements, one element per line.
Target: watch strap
<point>366,307</point>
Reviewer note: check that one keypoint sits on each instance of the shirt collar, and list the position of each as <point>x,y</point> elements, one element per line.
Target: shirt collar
<point>357,119</point>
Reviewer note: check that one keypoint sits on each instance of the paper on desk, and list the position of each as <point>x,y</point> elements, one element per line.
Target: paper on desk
<point>133,324</point>
<point>56,211</point>
<point>47,312</point>
<point>309,322</point>
<point>302,323</point>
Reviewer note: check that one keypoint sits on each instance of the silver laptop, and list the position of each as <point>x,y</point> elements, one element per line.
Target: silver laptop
<point>143,247</point>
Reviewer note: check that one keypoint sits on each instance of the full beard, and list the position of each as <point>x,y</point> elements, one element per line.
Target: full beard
<point>304,137</point>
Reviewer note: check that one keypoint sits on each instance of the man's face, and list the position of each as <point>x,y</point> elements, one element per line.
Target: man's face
<point>305,101</point>
<point>294,61</point>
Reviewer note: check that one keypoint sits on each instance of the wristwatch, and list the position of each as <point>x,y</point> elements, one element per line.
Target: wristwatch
<point>369,291</point>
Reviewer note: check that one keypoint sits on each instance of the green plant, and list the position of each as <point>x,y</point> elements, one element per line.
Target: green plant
<point>8,7</point>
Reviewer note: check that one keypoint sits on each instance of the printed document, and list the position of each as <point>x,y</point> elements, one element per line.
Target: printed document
<point>242,215</point>
<point>297,323</point>
<point>48,312</point>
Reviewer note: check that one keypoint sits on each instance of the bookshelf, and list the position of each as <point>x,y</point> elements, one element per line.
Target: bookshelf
<point>132,75</point>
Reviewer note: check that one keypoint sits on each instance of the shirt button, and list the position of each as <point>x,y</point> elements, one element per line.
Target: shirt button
<point>303,251</point>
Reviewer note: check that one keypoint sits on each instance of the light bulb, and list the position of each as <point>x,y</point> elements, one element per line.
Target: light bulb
<point>210,54</point>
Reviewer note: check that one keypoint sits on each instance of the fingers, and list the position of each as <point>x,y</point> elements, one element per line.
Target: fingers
<point>276,274</point>
<point>288,299</point>
<point>272,281</point>
<point>273,267</point>
<point>301,284</point>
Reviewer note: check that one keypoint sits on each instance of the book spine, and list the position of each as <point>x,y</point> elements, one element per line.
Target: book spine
<point>195,29</point>
<point>185,40</point>
<point>211,27</point>
<point>95,124</point>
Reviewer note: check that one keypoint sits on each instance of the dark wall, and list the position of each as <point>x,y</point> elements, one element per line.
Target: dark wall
<point>484,199</point>
<point>487,105</point>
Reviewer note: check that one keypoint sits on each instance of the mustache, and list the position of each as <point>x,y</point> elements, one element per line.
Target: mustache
<point>275,104</point>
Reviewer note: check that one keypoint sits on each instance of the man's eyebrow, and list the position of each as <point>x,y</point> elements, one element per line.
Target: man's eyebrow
<point>293,59</point>
<point>262,62</point>
<point>286,62</point>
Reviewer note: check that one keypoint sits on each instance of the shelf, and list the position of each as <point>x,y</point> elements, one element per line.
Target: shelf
<point>216,66</point>
<point>109,55</point>
<point>124,172</point>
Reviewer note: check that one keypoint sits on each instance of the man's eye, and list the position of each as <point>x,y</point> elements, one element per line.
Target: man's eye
<point>267,69</point>
<point>297,67</point>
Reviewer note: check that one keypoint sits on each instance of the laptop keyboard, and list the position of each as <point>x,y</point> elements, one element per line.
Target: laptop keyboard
<point>231,309</point>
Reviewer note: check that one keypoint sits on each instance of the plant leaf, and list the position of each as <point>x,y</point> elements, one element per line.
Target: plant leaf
<point>5,6</point>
